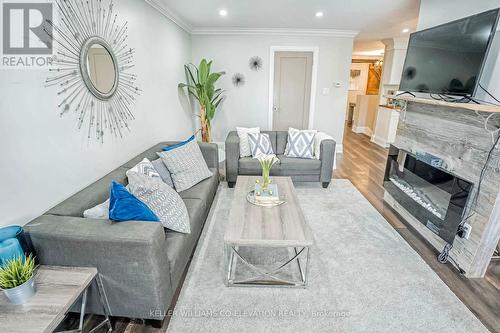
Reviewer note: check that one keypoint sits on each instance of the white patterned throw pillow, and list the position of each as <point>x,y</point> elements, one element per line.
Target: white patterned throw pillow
<point>186,165</point>
<point>162,200</point>
<point>243,135</point>
<point>300,144</point>
<point>260,144</point>
<point>145,167</point>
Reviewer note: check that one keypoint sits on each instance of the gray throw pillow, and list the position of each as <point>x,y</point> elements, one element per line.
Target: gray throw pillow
<point>260,144</point>
<point>162,200</point>
<point>161,168</point>
<point>186,165</point>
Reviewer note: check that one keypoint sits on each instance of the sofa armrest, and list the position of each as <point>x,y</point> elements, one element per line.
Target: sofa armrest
<point>210,153</point>
<point>232,156</point>
<point>130,257</point>
<point>327,156</point>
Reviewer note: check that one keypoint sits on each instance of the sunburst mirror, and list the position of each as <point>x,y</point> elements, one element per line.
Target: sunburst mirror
<point>92,66</point>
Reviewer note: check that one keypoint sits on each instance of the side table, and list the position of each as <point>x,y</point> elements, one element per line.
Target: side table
<point>57,289</point>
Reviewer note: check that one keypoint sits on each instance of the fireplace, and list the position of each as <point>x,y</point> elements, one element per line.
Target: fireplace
<point>432,195</point>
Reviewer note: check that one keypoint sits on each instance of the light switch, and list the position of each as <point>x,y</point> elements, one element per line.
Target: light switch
<point>326,91</point>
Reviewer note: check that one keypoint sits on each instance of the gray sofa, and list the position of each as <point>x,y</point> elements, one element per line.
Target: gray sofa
<point>141,264</point>
<point>300,170</point>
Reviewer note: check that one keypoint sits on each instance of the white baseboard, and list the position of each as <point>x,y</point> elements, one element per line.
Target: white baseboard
<point>379,141</point>
<point>362,130</point>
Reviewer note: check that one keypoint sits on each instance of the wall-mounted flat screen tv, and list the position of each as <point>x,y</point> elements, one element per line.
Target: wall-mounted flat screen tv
<point>449,59</point>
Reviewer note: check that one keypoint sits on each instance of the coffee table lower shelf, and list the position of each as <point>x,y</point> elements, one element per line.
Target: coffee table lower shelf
<point>267,277</point>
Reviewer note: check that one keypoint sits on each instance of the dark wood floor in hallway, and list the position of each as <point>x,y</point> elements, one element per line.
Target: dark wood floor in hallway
<point>363,163</point>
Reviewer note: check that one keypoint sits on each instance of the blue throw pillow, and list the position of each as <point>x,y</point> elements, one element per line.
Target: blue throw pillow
<point>180,144</point>
<point>124,206</point>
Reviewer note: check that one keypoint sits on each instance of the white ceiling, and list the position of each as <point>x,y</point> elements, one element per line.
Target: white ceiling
<point>374,19</point>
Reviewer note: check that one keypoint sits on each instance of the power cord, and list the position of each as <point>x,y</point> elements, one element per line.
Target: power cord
<point>444,257</point>
<point>489,94</point>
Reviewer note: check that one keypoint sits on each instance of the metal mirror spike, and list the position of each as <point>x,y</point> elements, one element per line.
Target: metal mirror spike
<point>85,27</point>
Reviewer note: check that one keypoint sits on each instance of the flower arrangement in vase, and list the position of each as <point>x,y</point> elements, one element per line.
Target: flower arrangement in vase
<point>266,162</point>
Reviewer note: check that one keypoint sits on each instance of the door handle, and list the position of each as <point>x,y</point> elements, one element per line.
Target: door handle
<point>275,108</point>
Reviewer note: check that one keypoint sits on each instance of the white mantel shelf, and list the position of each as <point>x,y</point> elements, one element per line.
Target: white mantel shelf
<point>469,106</point>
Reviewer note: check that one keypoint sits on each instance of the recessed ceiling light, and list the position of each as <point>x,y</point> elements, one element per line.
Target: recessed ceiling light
<point>319,14</point>
<point>405,30</point>
<point>223,12</point>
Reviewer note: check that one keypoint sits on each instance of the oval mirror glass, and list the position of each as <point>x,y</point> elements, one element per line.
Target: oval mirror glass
<point>101,68</point>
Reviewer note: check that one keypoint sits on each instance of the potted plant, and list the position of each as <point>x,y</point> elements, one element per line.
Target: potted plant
<point>202,87</point>
<point>17,279</point>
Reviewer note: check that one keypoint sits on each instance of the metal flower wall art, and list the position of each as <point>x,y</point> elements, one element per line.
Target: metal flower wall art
<point>91,67</point>
<point>238,80</point>
<point>255,63</point>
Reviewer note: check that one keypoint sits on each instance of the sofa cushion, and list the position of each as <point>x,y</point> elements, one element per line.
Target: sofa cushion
<point>204,190</point>
<point>281,140</point>
<point>251,166</point>
<point>298,166</point>
<point>288,166</point>
<point>180,246</point>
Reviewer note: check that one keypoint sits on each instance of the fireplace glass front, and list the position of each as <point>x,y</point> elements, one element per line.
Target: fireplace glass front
<point>432,195</point>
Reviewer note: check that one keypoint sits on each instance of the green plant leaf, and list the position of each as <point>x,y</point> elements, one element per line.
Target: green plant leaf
<point>16,272</point>
<point>203,71</point>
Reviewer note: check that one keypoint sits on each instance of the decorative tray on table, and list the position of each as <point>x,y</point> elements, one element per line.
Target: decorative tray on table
<point>265,198</point>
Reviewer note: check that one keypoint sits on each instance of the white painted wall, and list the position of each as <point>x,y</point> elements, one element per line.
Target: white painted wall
<point>433,12</point>
<point>249,105</point>
<point>44,159</point>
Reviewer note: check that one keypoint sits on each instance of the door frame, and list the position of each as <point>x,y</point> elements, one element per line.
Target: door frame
<point>314,78</point>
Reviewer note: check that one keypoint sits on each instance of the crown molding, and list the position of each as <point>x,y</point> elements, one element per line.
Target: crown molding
<point>169,14</point>
<point>275,32</point>
<point>165,11</point>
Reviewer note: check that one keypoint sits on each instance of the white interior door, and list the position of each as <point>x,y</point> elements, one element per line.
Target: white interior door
<point>292,90</point>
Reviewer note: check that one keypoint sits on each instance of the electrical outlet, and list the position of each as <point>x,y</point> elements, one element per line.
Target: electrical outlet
<point>467,231</point>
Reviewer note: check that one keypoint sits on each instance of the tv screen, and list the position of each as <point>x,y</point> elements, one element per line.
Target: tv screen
<point>448,59</point>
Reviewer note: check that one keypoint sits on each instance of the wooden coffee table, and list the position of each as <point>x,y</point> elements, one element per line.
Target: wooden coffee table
<point>256,227</point>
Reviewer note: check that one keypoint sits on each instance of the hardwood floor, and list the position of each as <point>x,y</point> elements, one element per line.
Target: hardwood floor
<point>363,163</point>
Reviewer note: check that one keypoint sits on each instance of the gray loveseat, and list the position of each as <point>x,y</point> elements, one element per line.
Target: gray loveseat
<point>141,264</point>
<point>300,170</point>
